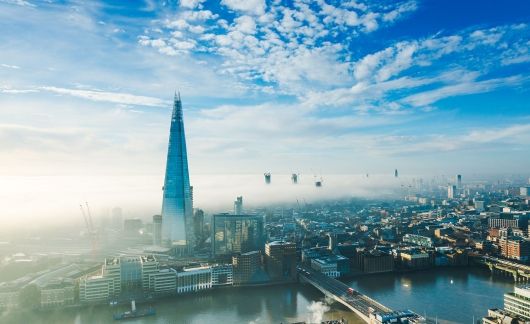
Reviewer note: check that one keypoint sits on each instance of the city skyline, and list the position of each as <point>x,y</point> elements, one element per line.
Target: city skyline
<point>344,88</point>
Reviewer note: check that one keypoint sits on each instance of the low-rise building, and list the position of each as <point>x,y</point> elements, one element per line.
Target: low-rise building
<point>518,302</point>
<point>333,266</point>
<point>499,316</point>
<point>419,240</point>
<point>194,279</point>
<point>8,299</point>
<point>517,248</point>
<point>415,259</point>
<point>222,275</point>
<point>163,282</point>
<point>96,289</point>
<point>57,294</point>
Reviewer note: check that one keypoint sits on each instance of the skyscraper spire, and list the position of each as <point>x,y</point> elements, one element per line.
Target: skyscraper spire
<point>177,204</point>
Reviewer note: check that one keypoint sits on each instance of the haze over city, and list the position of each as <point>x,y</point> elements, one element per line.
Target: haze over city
<point>305,88</point>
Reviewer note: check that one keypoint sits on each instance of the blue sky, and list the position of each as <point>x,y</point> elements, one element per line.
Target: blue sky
<point>428,87</point>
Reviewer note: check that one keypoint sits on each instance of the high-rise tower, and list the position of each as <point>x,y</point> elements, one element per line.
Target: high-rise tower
<point>177,203</point>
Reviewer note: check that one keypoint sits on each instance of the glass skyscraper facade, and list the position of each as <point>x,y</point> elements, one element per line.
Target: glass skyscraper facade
<point>177,204</point>
<point>236,234</point>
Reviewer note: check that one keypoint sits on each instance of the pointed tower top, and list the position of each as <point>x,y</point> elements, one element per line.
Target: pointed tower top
<point>177,106</point>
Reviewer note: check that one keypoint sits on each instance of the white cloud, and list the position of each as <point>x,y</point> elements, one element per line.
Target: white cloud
<point>256,7</point>
<point>464,88</point>
<point>400,10</point>
<point>8,66</point>
<point>191,3</point>
<point>22,3</point>
<point>113,97</point>
<point>245,24</point>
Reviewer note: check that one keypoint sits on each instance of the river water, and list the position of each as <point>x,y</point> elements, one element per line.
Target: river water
<point>450,295</point>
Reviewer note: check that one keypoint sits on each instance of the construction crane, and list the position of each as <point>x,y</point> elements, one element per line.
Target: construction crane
<point>87,217</point>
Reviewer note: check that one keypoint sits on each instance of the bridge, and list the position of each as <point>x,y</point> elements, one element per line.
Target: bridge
<point>366,308</point>
<point>519,272</point>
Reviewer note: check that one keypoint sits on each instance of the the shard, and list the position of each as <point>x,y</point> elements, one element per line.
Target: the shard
<point>177,204</point>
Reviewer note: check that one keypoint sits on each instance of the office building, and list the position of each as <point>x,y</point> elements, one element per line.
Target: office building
<point>60,293</point>
<point>518,302</point>
<point>96,289</point>
<point>418,240</point>
<point>130,272</point>
<point>246,265</point>
<point>163,282</point>
<point>238,206</point>
<point>451,192</point>
<point>267,176</point>
<point>294,178</point>
<point>524,191</point>
<point>517,248</point>
<point>222,275</point>
<point>236,234</point>
<point>112,271</point>
<point>374,261</point>
<point>459,181</point>
<point>157,230</point>
<point>480,205</point>
<point>280,260</point>
<point>415,259</point>
<point>149,265</point>
<point>333,266</point>
<point>508,220</point>
<point>499,316</point>
<point>177,204</point>
<point>314,253</point>
<point>198,224</point>
<point>8,298</point>
<point>194,279</point>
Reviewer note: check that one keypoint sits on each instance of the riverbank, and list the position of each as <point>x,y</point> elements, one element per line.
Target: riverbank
<point>461,294</point>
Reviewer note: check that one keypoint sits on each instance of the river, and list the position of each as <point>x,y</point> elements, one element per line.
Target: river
<point>451,295</point>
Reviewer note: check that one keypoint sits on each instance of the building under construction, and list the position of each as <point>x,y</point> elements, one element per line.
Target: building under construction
<point>294,178</point>
<point>267,177</point>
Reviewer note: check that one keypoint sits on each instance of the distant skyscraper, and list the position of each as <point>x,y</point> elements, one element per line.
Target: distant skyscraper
<point>198,223</point>
<point>177,204</point>
<point>294,178</point>
<point>267,177</point>
<point>157,230</point>
<point>238,206</point>
<point>396,173</point>
<point>451,192</point>
<point>459,181</point>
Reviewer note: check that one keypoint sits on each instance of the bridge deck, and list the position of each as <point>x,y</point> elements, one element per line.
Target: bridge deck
<point>361,304</point>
